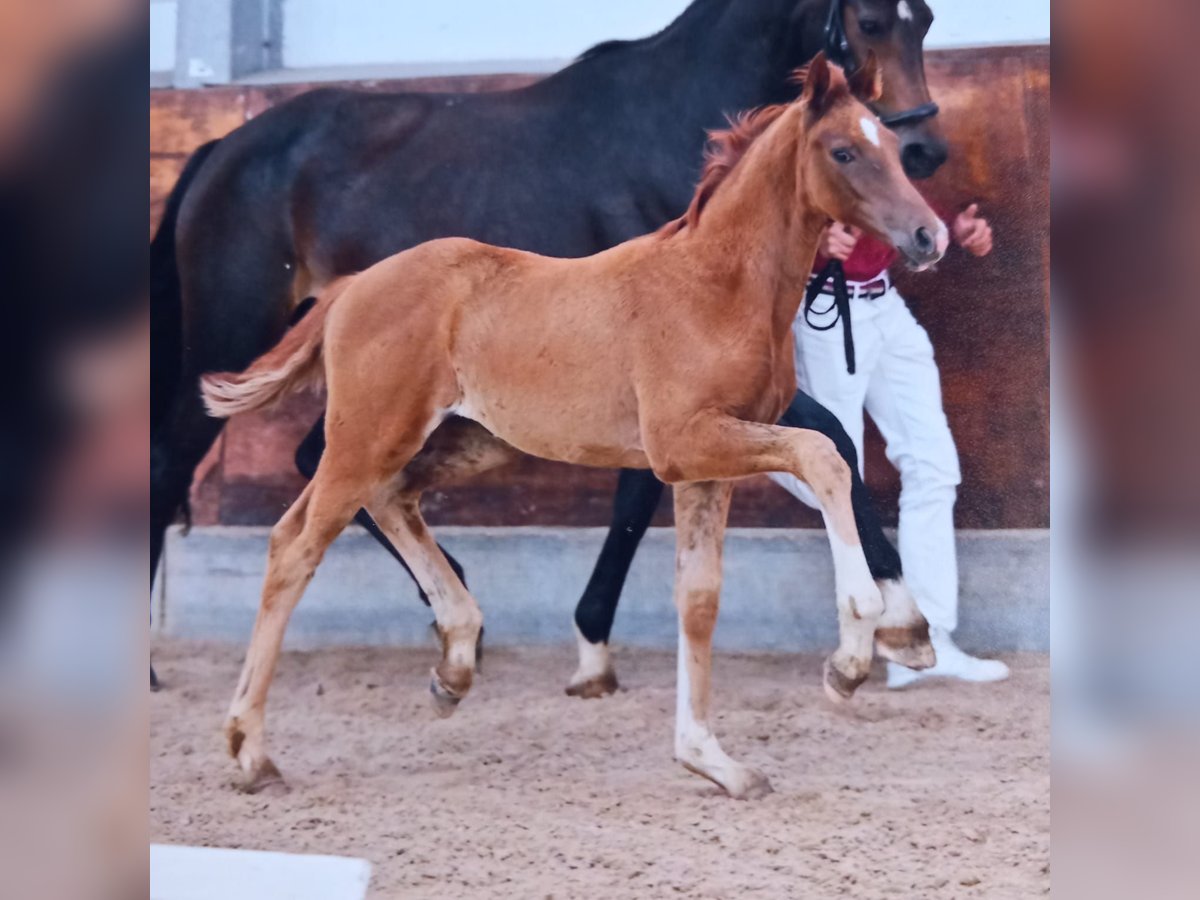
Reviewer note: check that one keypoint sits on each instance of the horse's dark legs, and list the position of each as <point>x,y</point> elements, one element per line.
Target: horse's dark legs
<point>308,454</point>
<point>638,493</point>
<point>903,633</point>
<point>882,558</point>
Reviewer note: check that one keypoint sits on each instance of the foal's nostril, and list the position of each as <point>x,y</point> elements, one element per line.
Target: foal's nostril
<point>924,240</point>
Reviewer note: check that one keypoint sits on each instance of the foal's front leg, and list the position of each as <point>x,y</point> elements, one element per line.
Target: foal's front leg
<point>700,513</point>
<point>718,446</point>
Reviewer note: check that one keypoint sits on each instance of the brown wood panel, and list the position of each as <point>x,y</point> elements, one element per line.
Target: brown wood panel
<point>987,319</point>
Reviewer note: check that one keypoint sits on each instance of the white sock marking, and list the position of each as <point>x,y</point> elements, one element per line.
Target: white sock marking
<point>594,660</point>
<point>870,129</point>
<point>853,579</point>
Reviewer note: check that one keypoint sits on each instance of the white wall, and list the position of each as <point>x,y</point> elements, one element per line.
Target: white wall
<point>162,35</point>
<point>447,34</point>
<point>973,23</point>
<point>337,32</point>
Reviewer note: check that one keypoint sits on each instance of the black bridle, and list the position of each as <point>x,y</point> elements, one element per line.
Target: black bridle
<point>838,50</point>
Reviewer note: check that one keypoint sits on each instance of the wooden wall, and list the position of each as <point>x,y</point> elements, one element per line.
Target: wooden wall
<point>988,320</point>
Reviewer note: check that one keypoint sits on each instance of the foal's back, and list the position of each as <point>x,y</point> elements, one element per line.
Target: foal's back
<point>546,353</point>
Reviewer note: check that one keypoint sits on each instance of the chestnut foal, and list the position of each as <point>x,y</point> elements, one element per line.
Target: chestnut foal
<point>671,352</point>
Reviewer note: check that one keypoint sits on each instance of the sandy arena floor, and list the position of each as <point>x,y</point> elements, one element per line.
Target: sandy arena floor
<point>940,791</point>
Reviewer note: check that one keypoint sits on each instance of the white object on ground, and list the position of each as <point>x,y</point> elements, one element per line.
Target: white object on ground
<point>204,873</point>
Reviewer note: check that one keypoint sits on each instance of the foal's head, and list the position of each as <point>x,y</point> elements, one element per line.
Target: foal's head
<point>851,164</point>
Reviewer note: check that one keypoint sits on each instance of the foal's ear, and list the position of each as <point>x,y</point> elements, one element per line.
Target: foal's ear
<point>867,81</point>
<point>817,80</point>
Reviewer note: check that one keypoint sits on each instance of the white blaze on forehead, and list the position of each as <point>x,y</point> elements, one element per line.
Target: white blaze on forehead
<point>870,129</point>
<point>904,11</point>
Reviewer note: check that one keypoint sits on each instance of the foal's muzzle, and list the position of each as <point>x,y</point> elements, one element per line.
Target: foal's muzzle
<point>923,246</point>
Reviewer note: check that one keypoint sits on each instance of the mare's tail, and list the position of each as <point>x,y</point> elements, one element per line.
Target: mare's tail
<point>295,362</point>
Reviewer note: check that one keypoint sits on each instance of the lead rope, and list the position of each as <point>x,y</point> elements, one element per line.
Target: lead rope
<point>834,272</point>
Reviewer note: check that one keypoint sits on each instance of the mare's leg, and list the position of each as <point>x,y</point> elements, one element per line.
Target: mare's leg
<point>308,456</point>
<point>638,494</point>
<point>458,449</point>
<point>701,510</point>
<point>718,446</point>
<point>903,633</point>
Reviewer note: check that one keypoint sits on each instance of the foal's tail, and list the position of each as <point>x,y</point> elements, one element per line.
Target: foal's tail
<point>294,363</point>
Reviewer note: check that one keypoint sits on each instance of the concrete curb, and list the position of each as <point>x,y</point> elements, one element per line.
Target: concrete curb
<point>778,592</point>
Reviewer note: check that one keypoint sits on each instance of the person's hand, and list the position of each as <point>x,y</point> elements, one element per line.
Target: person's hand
<point>972,231</point>
<point>839,241</point>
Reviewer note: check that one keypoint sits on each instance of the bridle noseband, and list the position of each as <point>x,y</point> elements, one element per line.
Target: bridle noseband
<point>837,49</point>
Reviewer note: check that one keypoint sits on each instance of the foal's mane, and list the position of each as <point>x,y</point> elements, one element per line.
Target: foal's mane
<point>726,148</point>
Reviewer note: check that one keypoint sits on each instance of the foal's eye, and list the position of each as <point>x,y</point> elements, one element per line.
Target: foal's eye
<point>842,155</point>
<point>871,27</point>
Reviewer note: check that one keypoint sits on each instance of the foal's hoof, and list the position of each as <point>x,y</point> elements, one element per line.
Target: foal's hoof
<point>265,779</point>
<point>750,785</point>
<point>437,637</point>
<point>445,701</point>
<point>594,687</point>
<point>840,687</point>
<point>910,646</point>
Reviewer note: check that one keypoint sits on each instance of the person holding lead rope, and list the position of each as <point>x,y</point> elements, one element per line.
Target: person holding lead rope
<point>881,361</point>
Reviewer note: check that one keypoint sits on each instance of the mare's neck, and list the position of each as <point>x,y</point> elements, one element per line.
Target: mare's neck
<point>759,228</point>
<point>717,58</point>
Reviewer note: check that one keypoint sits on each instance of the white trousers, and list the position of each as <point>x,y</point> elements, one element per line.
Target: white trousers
<point>897,383</point>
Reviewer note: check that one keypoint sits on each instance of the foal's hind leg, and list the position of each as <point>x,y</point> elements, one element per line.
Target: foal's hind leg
<point>298,543</point>
<point>458,449</point>
<point>308,457</point>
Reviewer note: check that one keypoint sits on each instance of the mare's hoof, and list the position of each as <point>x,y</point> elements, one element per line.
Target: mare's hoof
<point>155,684</point>
<point>840,687</point>
<point>266,779</point>
<point>910,647</point>
<point>445,701</point>
<point>595,687</point>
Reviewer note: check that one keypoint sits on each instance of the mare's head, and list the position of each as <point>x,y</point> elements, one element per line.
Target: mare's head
<point>894,30</point>
<point>848,30</point>
<point>850,163</point>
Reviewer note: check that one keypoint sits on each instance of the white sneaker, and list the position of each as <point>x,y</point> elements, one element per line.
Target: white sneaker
<point>952,662</point>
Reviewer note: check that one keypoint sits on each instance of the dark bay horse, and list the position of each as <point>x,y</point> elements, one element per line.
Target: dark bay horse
<point>671,352</point>
<point>606,149</point>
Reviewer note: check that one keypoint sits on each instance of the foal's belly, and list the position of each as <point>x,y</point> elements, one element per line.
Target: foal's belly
<point>583,433</point>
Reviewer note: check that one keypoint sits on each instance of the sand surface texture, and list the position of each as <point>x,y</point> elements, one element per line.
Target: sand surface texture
<point>939,791</point>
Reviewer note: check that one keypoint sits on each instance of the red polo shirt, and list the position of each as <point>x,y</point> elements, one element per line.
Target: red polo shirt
<point>871,256</point>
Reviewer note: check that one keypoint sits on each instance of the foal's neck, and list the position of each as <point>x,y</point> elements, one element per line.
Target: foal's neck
<point>760,227</point>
